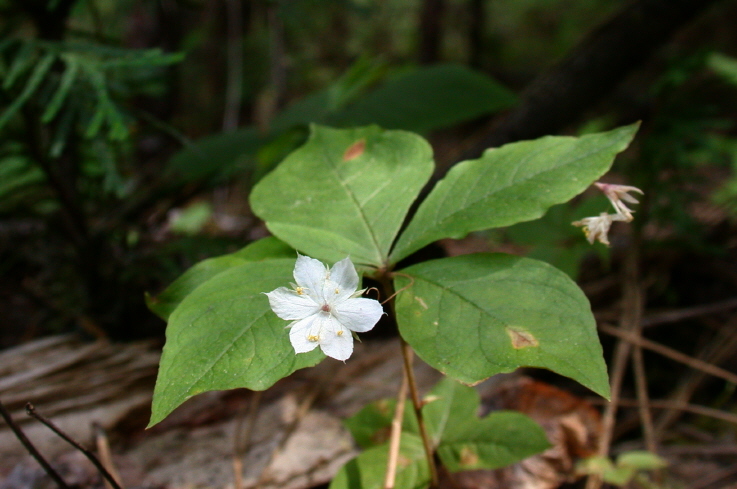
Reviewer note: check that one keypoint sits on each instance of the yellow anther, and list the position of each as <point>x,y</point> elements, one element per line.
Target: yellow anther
<point>337,291</point>
<point>313,338</point>
<point>339,333</point>
<point>300,290</point>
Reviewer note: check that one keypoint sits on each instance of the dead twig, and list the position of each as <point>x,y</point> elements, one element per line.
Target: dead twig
<point>720,348</point>
<point>688,313</point>
<point>715,477</point>
<point>629,321</point>
<point>32,449</point>
<point>90,456</point>
<point>103,448</point>
<point>635,299</point>
<point>670,353</point>
<point>679,406</point>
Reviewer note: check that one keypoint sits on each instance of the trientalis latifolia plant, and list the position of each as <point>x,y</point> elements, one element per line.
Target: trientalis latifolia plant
<point>337,208</point>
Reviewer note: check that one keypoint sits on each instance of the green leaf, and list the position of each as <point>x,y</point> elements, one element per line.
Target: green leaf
<point>106,110</point>
<point>450,410</point>
<point>367,471</point>
<point>22,62</point>
<point>319,106</point>
<point>641,460</point>
<point>345,192</point>
<point>466,442</point>
<point>474,316</point>
<point>420,100</point>
<point>192,219</point>
<point>427,99</point>
<point>517,182</point>
<point>265,249</point>
<point>618,476</point>
<point>372,424</point>
<point>271,153</point>
<point>165,303</point>
<point>224,336</point>
<point>18,171</point>
<point>65,85</point>
<point>34,81</point>
<point>463,441</point>
<point>216,156</point>
<point>500,439</point>
<point>725,66</point>
<point>554,240</point>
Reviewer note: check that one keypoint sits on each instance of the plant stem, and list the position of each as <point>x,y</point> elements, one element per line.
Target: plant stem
<point>396,435</point>
<point>408,356</point>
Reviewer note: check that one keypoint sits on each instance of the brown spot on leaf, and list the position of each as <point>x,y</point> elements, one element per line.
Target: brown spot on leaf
<point>521,338</point>
<point>354,150</point>
<point>469,457</point>
<point>381,436</point>
<point>403,461</point>
<point>384,407</point>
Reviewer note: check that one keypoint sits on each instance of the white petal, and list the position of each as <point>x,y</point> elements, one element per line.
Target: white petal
<point>305,334</point>
<point>335,340</point>
<point>630,198</point>
<point>359,315</point>
<point>344,275</point>
<point>310,274</point>
<point>289,305</point>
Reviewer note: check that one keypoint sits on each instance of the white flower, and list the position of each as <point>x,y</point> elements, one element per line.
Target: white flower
<point>325,307</point>
<point>616,194</point>
<point>598,227</point>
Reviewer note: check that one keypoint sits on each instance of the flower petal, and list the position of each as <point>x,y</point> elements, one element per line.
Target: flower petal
<point>305,334</point>
<point>344,275</point>
<point>311,274</point>
<point>335,340</point>
<point>359,314</point>
<point>289,305</point>
<point>598,227</point>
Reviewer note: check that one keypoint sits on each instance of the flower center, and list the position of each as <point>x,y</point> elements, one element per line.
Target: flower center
<point>325,308</point>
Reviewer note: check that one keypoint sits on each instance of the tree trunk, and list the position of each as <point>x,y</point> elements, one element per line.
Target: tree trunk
<point>601,61</point>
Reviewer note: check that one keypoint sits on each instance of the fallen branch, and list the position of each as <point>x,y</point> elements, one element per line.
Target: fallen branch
<point>31,449</point>
<point>90,456</point>
<point>670,353</point>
